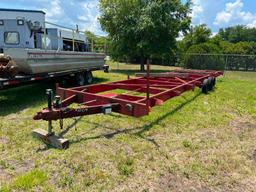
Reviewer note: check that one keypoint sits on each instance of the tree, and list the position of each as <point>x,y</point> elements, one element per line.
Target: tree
<point>242,48</point>
<point>226,47</point>
<point>96,43</point>
<point>196,35</point>
<point>143,28</point>
<point>238,33</point>
<point>216,40</point>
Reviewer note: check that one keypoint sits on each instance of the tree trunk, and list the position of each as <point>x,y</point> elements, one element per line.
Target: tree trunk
<point>142,63</point>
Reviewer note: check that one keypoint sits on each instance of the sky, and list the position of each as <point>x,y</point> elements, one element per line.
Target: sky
<point>215,13</point>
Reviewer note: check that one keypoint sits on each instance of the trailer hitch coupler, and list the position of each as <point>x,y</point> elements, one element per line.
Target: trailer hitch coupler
<point>57,102</point>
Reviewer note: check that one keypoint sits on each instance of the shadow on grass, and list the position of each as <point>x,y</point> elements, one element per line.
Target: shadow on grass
<point>17,99</point>
<point>97,80</point>
<point>72,125</point>
<point>138,131</point>
<point>133,71</point>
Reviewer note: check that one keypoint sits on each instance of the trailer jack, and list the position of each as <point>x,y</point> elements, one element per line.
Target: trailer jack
<point>150,90</point>
<point>49,137</point>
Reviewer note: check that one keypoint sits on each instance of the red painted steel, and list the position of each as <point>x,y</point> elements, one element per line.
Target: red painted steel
<point>152,90</point>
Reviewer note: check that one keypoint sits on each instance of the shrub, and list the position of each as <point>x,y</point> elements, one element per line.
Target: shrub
<point>204,56</point>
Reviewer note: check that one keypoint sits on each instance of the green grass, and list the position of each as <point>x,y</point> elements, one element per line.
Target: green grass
<point>27,181</point>
<point>125,166</point>
<point>193,142</point>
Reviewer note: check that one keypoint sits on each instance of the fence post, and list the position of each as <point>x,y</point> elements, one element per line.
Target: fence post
<point>254,65</point>
<point>226,62</point>
<point>45,38</point>
<point>73,39</point>
<point>92,45</point>
<point>105,47</point>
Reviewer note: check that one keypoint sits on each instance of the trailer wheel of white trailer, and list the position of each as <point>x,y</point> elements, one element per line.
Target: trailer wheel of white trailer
<point>88,77</point>
<point>80,79</point>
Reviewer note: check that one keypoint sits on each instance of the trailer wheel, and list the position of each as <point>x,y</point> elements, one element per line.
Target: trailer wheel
<point>205,86</point>
<point>210,83</point>
<point>214,82</point>
<point>80,79</point>
<point>88,77</point>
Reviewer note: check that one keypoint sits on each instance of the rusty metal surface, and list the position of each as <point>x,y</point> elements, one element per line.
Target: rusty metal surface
<point>8,67</point>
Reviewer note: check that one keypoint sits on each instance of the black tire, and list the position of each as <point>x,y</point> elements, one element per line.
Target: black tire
<point>88,77</point>
<point>80,79</point>
<point>214,81</point>
<point>205,86</point>
<point>210,83</point>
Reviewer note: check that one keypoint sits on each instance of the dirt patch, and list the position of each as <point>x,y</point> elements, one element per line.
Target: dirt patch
<point>248,184</point>
<point>23,166</point>
<point>254,155</point>
<point>245,126</point>
<point>19,166</point>
<point>4,140</point>
<point>242,124</point>
<point>4,176</point>
<point>177,183</point>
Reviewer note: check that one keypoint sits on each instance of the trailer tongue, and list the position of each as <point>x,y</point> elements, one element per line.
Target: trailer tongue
<point>153,89</point>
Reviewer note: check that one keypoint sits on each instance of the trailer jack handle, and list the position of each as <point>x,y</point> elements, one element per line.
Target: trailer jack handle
<point>49,94</point>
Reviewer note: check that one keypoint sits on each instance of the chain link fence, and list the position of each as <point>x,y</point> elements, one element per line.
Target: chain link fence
<point>231,62</point>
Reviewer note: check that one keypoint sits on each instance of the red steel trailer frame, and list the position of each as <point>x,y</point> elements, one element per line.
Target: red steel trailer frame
<point>154,89</point>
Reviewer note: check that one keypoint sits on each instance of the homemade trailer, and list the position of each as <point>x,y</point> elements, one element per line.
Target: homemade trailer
<point>153,89</point>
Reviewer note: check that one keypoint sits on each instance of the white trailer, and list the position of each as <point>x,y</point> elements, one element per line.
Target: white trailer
<point>40,52</point>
